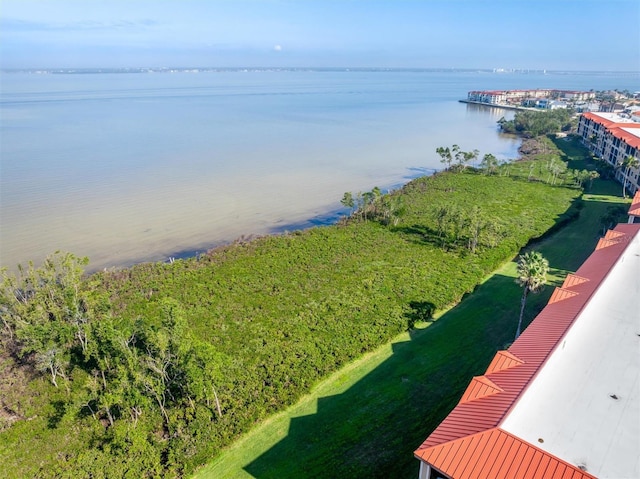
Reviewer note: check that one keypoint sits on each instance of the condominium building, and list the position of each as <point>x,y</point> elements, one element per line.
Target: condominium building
<point>517,97</point>
<point>563,401</point>
<point>613,138</point>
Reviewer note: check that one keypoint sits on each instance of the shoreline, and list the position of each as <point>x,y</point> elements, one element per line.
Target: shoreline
<point>162,208</point>
<point>498,105</point>
<point>329,218</point>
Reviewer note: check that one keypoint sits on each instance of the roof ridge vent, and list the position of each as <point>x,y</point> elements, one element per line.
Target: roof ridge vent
<point>560,294</point>
<point>479,387</point>
<point>605,243</point>
<point>573,280</point>
<point>611,234</point>
<point>503,360</point>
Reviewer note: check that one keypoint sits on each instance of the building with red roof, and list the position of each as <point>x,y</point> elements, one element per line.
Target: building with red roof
<point>613,138</point>
<point>502,97</point>
<point>564,400</point>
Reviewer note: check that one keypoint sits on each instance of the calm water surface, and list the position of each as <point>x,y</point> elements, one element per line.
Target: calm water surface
<point>135,167</point>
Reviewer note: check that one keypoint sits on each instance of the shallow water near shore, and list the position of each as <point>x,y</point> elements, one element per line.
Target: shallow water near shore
<point>141,167</point>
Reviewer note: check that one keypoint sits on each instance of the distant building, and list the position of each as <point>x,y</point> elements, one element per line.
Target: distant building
<point>530,98</point>
<point>612,138</point>
<point>582,106</point>
<point>564,400</point>
<point>543,103</point>
<point>491,97</point>
<point>577,95</point>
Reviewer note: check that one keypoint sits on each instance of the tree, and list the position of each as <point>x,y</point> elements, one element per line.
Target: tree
<point>532,276</point>
<point>489,163</point>
<point>113,387</point>
<point>476,225</point>
<point>471,157</point>
<point>556,169</point>
<point>390,209</point>
<point>47,311</point>
<point>459,155</point>
<point>348,201</point>
<point>446,155</point>
<point>441,215</point>
<point>53,361</point>
<point>614,215</point>
<point>629,163</point>
<point>536,123</point>
<point>451,222</point>
<point>581,177</point>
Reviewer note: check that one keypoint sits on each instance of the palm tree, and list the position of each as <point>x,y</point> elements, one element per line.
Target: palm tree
<point>532,276</point>
<point>445,154</point>
<point>628,163</point>
<point>489,163</point>
<point>474,156</point>
<point>459,155</point>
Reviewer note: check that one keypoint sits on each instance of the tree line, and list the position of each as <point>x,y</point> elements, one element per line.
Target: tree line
<point>61,324</point>
<point>536,123</point>
<point>374,205</point>
<point>455,226</point>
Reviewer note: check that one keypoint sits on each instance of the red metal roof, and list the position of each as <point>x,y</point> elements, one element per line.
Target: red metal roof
<point>503,360</point>
<point>610,124</point>
<point>480,386</point>
<point>634,210</point>
<point>510,457</point>
<point>618,131</point>
<point>598,119</point>
<point>489,398</point>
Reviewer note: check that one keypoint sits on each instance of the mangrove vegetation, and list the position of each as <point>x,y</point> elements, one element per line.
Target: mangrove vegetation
<point>151,371</point>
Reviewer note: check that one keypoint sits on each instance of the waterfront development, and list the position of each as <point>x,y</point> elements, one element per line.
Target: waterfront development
<point>134,166</point>
<point>549,99</point>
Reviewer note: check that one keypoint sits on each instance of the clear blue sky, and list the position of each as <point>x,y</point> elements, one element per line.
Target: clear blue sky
<point>551,34</point>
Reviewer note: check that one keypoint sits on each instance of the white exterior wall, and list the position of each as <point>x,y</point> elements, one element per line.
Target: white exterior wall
<point>610,149</point>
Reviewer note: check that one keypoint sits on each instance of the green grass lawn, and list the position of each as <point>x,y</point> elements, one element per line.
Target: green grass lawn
<point>368,418</point>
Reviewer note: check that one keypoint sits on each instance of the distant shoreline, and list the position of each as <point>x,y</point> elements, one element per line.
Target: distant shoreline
<point>495,105</point>
<point>72,71</point>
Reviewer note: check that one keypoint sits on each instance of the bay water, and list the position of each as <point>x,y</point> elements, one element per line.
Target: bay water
<point>130,167</point>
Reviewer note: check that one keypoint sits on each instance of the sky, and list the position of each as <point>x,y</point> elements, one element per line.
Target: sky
<point>518,34</point>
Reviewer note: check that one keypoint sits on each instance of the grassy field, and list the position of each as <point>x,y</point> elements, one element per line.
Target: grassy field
<point>366,419</point>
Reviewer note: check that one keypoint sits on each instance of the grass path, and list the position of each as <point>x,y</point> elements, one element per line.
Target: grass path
<point>366,419</point>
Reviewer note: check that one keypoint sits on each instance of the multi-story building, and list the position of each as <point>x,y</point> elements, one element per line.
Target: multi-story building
<point>493,97</point>
<point>517,97</point>
<point>576,95</point>
<point>613,138</point>
<point>562,401</point>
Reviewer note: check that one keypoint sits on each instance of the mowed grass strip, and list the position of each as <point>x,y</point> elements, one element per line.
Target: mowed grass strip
<point>368,418</point>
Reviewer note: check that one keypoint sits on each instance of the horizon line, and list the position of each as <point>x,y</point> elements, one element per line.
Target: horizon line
<point>142,69</point>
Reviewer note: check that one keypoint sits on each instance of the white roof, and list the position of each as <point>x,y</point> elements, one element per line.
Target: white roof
<point>584,404</point>
<point>632,131</point>
<point>615,117</point>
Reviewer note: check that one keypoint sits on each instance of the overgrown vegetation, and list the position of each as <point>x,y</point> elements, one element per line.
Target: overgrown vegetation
<point>159,366</point>
<point>535,123</point>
